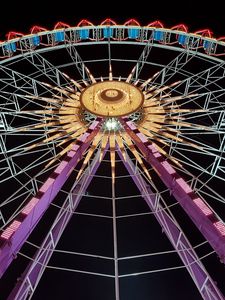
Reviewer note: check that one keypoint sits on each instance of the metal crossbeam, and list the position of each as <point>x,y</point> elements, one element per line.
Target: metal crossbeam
<point>206,286</point>
<point>218,159</point>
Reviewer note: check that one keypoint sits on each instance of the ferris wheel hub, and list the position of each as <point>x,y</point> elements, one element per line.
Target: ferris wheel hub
<point>112,98</point>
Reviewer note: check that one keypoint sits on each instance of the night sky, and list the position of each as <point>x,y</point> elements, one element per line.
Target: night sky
<point>135,235</point>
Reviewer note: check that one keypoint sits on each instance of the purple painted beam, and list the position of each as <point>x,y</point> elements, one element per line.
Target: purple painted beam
<point>15,234</point>
<point>206,286</point>
<point>29,279</point>
<point>211,227</point>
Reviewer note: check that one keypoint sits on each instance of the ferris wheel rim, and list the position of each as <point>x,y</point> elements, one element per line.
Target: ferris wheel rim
<point>125,43</point>
<point>204,37</point>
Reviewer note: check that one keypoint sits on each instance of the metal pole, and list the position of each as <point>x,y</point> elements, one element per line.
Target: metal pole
<point>117,294</point>
<point>204,283</point>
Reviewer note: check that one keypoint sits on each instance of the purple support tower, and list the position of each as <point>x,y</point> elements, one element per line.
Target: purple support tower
<point>211,227</point>
<point>206,286</point>
<point>32,275</point>
<point>15,234</point>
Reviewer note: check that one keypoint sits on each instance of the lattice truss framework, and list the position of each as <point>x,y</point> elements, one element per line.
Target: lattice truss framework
<point>58,124</point>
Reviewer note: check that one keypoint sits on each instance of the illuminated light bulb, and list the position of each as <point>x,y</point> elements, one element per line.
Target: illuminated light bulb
<point>111,124</point>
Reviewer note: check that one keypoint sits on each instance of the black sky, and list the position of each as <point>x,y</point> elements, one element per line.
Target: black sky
<point>21,15</point>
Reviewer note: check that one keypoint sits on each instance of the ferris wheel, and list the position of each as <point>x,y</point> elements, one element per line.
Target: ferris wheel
<point>111,113</point>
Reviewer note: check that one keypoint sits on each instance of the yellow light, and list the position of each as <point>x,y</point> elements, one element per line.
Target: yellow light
<point>111,98</point>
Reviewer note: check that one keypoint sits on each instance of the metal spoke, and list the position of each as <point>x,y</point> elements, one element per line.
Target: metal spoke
<point>117,293</point>
<point>172,147</point>
<point>77,60</point>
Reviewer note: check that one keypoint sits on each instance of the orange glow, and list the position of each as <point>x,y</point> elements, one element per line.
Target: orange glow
<point>204,32</point>
<point>180,27</point>
<point>61,25</point>
<point>132,22</point>
<point>157,24</point>
<point>13,35</point>
<point>108,22</point>
<point>36,29</point>
<point>84,22</point>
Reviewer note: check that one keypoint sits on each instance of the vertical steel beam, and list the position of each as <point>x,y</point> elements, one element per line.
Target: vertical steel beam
<point>116,265</point>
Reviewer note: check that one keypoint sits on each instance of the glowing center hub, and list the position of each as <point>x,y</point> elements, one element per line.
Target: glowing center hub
<point>111,98</point>
<point>111,124</point>
<point>112,95</point>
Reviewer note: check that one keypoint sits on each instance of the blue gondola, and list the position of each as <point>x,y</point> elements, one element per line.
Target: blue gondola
<point>83,34</point>
<point>59,36</point>
<point>207,45</point>
<point>35,40</point>
<point>10,47</point>
<point>182,39</point>
<point>107,32</point>
<point>158,35</point>
<point>133,33</point>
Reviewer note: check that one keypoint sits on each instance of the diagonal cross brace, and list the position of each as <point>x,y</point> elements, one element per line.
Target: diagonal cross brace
<point>16,233</point>
<point>209,224</point>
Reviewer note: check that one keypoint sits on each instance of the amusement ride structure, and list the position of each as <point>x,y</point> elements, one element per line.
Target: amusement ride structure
<point>70,103</point>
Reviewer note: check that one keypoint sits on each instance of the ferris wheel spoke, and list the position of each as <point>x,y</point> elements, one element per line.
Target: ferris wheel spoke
<point>20,147</point>
<point>134,75</point>
<point>193,142</point>
<point>23,101</point>
<point>214,115</point>
<point>203,147</point>
<point>34,143</point>
<point>80,65</point>
<point>210,97</point>
<point>169,70</point>
<point>77,60</point>
<point>168,129</point>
